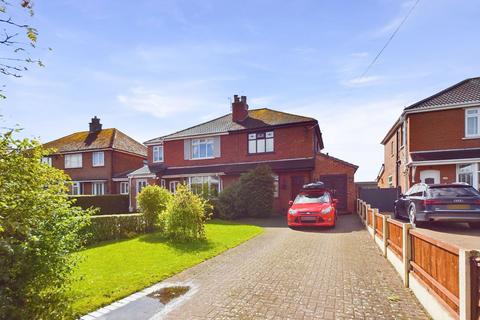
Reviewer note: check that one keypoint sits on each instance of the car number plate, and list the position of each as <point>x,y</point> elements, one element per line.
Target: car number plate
<point>309,218</point>
<point>458,206</point>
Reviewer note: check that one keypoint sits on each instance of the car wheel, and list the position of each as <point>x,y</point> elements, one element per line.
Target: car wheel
<point>411,215</point>
<point>474,225</point>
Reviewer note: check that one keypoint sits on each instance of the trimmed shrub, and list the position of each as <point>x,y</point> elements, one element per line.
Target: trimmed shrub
<point>229,205</point>
<point>186,215</point>
<point>251,195</point>
<point>114,227</point>
<point>107,204</point>
<point>153,201</point>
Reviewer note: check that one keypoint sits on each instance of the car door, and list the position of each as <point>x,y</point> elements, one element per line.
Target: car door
<point>416,197</point>
<point>403,202</point>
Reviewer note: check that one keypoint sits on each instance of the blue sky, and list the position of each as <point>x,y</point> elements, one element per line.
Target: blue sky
<point>153,67</point>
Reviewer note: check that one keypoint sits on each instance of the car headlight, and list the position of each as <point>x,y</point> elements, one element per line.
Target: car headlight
<point>292,211</point>
<point>326,210</point>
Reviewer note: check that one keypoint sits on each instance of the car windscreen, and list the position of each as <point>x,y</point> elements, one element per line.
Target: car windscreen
<point>323,197</point>
<point>453,192</point>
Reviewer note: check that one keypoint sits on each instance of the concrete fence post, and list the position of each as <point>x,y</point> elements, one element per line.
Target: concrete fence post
<point>465,288</point>
<point>367,212</point>
<point>374,222</point>
<point>385,235</point>
<point>406,252</point>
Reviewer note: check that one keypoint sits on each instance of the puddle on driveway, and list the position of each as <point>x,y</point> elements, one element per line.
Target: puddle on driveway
<point>165,295</point>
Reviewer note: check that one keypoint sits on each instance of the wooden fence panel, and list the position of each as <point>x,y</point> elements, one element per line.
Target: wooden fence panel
<point>475,274</point>
<point>379,224</point>
<point>395,237</point>
<point>436,265</point>
<point>370,217</point>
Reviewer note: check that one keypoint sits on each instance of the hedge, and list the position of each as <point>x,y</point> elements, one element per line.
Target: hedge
<point>114,227</point>
<point>108,204</point>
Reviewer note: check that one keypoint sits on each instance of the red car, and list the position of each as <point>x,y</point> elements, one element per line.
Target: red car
<point>313,206</point>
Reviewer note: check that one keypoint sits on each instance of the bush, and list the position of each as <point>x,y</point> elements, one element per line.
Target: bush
<point>229,204</point>
<point>251,196</point>
<point>39,231</point>
<point>153,201</point>
<point>114,227</point>
<point>107,204</point>
<point>186,215</point>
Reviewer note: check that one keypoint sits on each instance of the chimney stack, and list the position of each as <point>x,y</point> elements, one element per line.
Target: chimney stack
<point>95,125</point>
<point>239,108</point>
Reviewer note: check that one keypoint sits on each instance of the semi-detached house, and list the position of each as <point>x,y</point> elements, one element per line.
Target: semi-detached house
<point>436,140</point>
<point>217,152</point>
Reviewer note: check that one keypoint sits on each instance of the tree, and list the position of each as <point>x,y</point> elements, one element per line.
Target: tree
<point>17,39</point>
<point>39,230</point>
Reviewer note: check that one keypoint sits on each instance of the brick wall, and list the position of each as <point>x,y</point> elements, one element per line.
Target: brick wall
<point>448,173</point>
<point>289,142</point>
<point>438,130</point>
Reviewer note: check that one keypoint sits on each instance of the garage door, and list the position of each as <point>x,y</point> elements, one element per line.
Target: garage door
<point>338,184</point>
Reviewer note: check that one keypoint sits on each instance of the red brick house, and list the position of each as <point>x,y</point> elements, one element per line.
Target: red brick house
<point>436,140</point>
<point>216,152</point>
<point>97,160</point>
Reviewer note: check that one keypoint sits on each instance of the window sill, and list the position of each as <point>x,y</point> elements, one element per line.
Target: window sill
<point>98,166</point>
<point>159,161</point>
<point>260,153</point>
<point>73,167</point>
<point>471,138</point>
<point>209,158</point>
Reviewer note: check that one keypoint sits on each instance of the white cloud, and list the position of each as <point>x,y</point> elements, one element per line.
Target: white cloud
<point>363,81</point>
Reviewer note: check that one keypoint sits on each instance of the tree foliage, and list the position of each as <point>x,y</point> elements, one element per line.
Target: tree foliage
<point>152,201</point>
<point>39,229</point>
<point>17,38</point>
<point>186,215</point>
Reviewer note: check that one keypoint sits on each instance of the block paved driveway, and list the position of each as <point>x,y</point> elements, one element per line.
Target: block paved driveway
<point>299,274</point>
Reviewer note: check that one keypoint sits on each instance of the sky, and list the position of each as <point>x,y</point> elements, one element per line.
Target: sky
<point>151,68</point>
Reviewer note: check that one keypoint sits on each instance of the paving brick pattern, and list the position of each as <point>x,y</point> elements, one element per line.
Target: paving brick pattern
<point>299,274</point>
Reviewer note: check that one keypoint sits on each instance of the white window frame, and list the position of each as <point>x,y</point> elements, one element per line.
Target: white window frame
<point>276,185</point>
<point>75,185</point>
<point>172,186</point>
<point>98,159</point>
<point>265,138</point>
<point>47,160</point>
<point>390,181</point>
<point>98,188</point>
<point>197,143</point>
<point>77,164</point>
<point>157,153</point>
<point>124,187</point>
<point>477,116</point>
<point>206,179</point>
<point>475,174</point>
<point>163,183</point>
<point>140,184</point>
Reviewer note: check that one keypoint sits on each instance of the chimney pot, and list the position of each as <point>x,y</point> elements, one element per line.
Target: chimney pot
<point>243,99</point>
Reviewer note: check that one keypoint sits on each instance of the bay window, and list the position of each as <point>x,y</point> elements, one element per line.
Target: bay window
<point>75,188</point>
<point>202,148</point>
<point>98,188</point>
<point>261,142</point>
<point>124,187</point>
<point>205,185</point>
<point>469,173</point>
<point>472,122</point>
<point>47,161</point>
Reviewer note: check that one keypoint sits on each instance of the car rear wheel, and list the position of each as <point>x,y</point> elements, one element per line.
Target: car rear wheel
<point>474,225</point>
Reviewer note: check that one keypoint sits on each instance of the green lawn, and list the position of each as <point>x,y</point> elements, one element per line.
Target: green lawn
<point>112,270</point>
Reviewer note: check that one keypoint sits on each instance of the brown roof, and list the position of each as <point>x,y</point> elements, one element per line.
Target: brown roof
<point>103,139</point>
<point>466,91</point>
<point>446,155</point>
<point>338,160</point>
<point>257,118</point>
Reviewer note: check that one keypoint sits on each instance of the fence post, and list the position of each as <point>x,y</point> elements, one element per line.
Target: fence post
<point>374,222</point>
<point>465,289</point>
<point>385,235</point>
<point>406,252</point>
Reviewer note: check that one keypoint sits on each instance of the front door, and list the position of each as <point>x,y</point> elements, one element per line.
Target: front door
<point>430,176</point>
<point>337,183</point>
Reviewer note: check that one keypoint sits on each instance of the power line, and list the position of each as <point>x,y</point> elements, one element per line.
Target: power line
<point>390,39</point>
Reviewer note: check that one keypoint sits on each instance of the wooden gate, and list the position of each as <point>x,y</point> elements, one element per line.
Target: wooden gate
<point>338,184</point>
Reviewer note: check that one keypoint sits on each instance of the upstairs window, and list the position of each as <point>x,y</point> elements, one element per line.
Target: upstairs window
<point>202,148</point>
<point>73,161</point>
<point>472,122</point>
<point>158,154</point>
<point>47,161</point>
<point>98,159</point>
<point>260,142</point>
